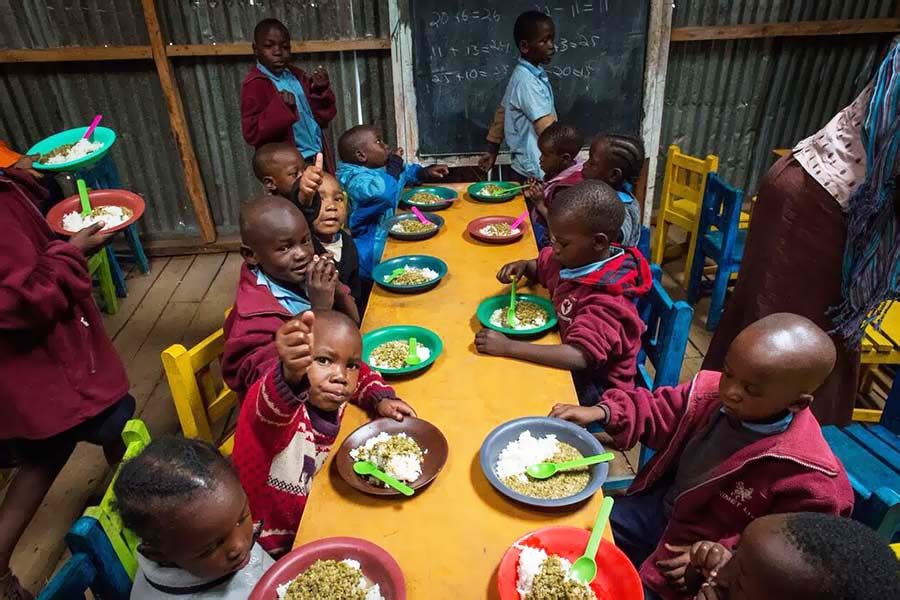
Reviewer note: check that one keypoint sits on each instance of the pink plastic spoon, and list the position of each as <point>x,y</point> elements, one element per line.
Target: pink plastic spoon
<point>520,220</point>
<point>93,126</point>
<point>420,216</point>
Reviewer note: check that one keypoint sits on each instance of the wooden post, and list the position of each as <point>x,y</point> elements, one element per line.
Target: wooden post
<point>192,179</point>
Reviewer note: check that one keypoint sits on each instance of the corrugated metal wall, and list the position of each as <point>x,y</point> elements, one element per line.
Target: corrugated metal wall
<point>740,99</point>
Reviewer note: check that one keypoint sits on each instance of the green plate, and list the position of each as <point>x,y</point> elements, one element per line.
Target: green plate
<point>475,191</point>
<point>487,308</point>
<point>46,145</point>
<point>423,336</point>
<point>446,193</point>
<point>421,261</point>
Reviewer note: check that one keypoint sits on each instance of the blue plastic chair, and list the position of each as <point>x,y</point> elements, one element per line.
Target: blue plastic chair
<point>720,239</point>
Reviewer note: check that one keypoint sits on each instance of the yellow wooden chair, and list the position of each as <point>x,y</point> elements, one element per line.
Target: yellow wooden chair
<point>203,402</point>
<point>879,347</point>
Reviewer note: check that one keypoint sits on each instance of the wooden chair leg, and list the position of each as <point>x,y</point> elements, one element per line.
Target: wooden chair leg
<point>137,248</point>
<point>695,283</point>
<point>659,240</point>
<point>118,276</point>
<point>717,303</point>
<point>689,260</point>
<point>107,287</point>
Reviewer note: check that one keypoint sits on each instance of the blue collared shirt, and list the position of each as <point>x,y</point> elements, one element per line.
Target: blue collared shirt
<point>528,97</point>
<point>307,134</point>
<point>289,299</point>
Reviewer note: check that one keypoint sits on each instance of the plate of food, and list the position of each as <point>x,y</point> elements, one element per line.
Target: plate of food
<point>494,191</point>
<point>410,274</point>
<point>344,567</point>
<point>386,349</point>
<point>534,315</point>
<point>535,566</point>
<point>429,197</point>
<point>412,451</point>
<point>67,151</point>
<point>496,229</point>
<point>116,208</point>
<point>407,226</point>
<point>514,446</point>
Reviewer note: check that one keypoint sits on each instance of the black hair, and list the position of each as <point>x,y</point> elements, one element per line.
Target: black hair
<point>626,152</point>
<point>564,138</point>
<point>852,561</point>
<point>349,142</point>
<point>594,203</point>
<point>170,471</point>
<point>266,25</point>
<point>264,154</point>
<point>525,28</point>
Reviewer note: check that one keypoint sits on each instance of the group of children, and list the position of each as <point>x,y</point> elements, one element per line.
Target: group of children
<point>743,498</point>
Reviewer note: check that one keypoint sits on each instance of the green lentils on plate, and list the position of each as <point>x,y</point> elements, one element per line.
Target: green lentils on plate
<point>327,580</point>
<point>561,485</point>
<point>551,584</point>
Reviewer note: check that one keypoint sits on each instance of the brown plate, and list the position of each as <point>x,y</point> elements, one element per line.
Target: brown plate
<point>426,435</point>
<point>474,229</point>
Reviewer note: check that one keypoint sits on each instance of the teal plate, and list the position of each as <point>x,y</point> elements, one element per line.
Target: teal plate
<point>423,336</point>
<point>476,193</point>
<point>70,136</point>
<point>487,308</point>
<point>447,194</point>
<point>421,261</point>
<point>424,235</point>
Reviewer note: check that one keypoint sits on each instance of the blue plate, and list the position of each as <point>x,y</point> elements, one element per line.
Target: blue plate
<point>436,219</point>
<point>447,194</point>
<point>421,261</point>
<point>568,433</point>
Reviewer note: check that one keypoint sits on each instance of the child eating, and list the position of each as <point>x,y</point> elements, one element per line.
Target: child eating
<point>281,277</point>
<point>374,177</point>
<point>618,160</point>
<point>732,447</point>
<point>185,503</point>
<point>593,285</point>
<point>292,416</point>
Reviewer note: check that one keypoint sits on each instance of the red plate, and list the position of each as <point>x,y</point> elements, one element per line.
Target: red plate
<point>617,579</point>
<point>98,198</point>
<point>376,564</point>
<point>474,229</point>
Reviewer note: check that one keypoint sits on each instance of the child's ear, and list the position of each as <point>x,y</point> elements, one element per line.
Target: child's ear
<point>361,157</point>
<point>803,401</point>
<point>601,242</point>
<point>524,46</point>
<point>249,256</point>
<point>152,553</point>
<point>269,183</point>
<point>565,158</point>
<point>615,176</point>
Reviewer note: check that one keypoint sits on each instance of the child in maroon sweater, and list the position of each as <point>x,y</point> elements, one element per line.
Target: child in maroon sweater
<point>291,417</point>
<point>593,286</point>
<point>280,103</point>
<point>731,447</point>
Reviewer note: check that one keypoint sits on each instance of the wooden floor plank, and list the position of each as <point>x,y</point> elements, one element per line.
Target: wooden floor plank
<point>138,286</point>
<point>219,298</point>
<point>196,283</point>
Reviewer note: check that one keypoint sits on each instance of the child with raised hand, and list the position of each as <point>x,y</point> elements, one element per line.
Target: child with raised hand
<point>374,177</point>
<point>799,556</point>
<point>280,103</point>
<point>328,228</point>
<point>618,160</point>
<point>731,447</point>
<point>184,501</point>
<point>291,417</point>
<point>593,285</point>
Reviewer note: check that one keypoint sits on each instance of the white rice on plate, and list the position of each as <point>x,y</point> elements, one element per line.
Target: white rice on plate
<point>413,276</point>
<point>536,566</point>
<point>397,455</point>
<point>495,230</point>
<point>80,149</point>
<point>528,316</point>
<point>112,216</point>
<point>372,590</point>
<point>523,452</point>
<point>392,355</point>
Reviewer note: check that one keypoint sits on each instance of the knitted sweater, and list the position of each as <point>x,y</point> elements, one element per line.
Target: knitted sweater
<point>281,443</point>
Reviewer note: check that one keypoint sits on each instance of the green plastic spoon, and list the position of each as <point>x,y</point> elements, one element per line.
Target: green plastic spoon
<point>412,358</point>
<point>585,568</point>
<point>511,311</point>
<point>394,275</point>
<point>545,470</point>
<point>364,467</point>
<point>85,200</point>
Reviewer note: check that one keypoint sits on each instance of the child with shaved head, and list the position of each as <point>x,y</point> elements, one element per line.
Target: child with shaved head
<point>730,447</point>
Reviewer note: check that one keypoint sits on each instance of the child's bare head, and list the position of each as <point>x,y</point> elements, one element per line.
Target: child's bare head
<point>363,145</point>
<point>278,165</point>
<point>337,357</point>
<point>774,365</point>
<point>535,35</point>
<point>559,145</point>
<point>333,213</point>
<point>583,220</point>
<point>275,238</point>
<point>272,45</point>
<point>615,159</point>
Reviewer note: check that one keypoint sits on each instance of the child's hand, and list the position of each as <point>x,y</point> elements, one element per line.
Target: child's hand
<point>25,163</point>
<point>488,341</point>
<point>708,557</point>
<point>288,98</point>
<point>513,271</point>
<point>534,191</point>
<point>580,415</point>
<point>395,408</point>
<point>311,180</point>
<point>710,591</point>
<point>294,342</point>
<point>321,282</point>
<point>673,569</point>
<point>437,171</point>
<point>487,160</point>
<point>319,78</point>
<point>90,239</point>
<point>397,152</point>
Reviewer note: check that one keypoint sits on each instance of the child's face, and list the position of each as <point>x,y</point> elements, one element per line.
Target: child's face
<point>372,151</point>
<point>552,161</point>
<point>574,245</point>
<point>284,168</point>
<point>334,209</point>
<point>334,373</point>
<point>282,247</point>
<point>273,49</point>
<point>539,50</point>
<point>599,165</point>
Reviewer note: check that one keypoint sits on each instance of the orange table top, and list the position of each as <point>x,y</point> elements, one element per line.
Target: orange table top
<point>450,537</point>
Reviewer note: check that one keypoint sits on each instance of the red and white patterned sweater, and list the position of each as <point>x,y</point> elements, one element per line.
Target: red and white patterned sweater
<point>280,444</point>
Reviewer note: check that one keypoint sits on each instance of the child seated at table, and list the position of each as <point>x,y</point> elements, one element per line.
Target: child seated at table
<point>292,415</point>
<point>731,447</point>
<point>329,231</point>
<point>281,277</point>
<point>799,555</point>
<point>593,285</point>
<point>374,177</point>
<point>184,501</point>
<point>618,160</point>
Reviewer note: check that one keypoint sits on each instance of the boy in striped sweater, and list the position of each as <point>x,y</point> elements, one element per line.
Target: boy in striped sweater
<point>291,416</point>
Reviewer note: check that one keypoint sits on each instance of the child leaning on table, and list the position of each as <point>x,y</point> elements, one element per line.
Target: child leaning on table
<point>593,285</point>
<point>374,177</point>
<point>184,501</point>
<point>618,160</point>
<point>292,415</point>
<point>731,447</point>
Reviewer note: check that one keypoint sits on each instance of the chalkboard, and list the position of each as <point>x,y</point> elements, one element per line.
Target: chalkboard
<point>463,54</point>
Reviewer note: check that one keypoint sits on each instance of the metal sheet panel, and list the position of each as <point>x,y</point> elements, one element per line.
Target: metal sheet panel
<point>55,23</point>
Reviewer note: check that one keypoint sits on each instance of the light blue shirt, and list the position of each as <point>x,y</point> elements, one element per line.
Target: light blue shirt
<point>307,134</point>
<point>589,268</point>
<point>293,302</point>
<point>528,97</point>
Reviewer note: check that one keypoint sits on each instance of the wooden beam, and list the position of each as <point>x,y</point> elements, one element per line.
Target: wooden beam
<point>796,29</point>
<point>310,46</point>
<point>179,126</point>
<point>90,54</point>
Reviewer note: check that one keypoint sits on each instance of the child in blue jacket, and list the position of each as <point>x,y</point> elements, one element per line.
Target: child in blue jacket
<point>373,177</point>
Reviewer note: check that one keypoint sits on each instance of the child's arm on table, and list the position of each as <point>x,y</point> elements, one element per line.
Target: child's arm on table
<point>264,116</point>
<point>376,397</point>
<point>561,356</point>
<point>321,97</point>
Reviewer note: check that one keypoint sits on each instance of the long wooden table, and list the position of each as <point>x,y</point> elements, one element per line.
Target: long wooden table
<point>449,537</point>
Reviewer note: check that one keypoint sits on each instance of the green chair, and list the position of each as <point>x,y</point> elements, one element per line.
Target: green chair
<point>99,267</point>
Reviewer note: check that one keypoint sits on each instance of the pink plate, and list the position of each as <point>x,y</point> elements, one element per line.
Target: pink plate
<point>376,564</point>
<point>474,228</point>
<point>98,198</point>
